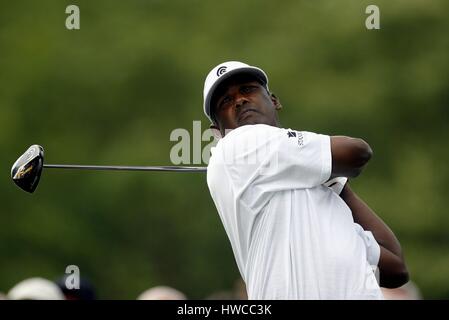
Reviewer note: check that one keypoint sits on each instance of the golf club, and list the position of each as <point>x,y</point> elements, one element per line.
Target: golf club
<point>26,171</point>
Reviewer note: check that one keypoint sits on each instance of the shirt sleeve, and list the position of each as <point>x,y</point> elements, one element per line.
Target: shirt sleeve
<point>372,247</point>
<point>267,159</point>
<point>337,184</point>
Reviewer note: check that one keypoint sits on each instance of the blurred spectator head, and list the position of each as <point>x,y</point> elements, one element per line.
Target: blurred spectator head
<point>162,293</point>
<point>86,290</point>
<point>237,293</point>
<point>240,290</point>
<point>35,289</point>
<point>221,295</point>
<point>408,291</point>
<point>3,296</point>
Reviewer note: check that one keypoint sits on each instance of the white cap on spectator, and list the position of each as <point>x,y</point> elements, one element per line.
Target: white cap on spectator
<point>36,289</point>
<point>408,291</point>
<point>161,293</point>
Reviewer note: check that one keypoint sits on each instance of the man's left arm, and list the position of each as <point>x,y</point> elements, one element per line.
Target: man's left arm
<point>393,270</point>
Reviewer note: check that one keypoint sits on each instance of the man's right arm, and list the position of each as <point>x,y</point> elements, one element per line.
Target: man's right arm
<point>393,270</point>
<point>349,156</point>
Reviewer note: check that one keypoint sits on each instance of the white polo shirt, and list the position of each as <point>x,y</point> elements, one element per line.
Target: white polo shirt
<point>292,237</point>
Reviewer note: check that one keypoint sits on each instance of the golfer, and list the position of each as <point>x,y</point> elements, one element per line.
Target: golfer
<point>296,228</point>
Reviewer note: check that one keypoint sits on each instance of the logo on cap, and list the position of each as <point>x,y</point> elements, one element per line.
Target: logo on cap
<point>221,70</point>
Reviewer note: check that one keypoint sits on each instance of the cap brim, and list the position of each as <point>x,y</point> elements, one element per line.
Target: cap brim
<point>249,70</point>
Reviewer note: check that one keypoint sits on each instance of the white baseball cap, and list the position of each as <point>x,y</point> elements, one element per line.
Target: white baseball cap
<point>222,72</point>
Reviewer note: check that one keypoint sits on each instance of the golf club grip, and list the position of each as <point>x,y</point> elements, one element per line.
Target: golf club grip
<point>127,168</point>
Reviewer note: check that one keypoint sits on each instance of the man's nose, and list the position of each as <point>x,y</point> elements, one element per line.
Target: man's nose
<point>240,100</point>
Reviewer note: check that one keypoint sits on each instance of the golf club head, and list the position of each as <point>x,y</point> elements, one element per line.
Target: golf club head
<point>26,171</point>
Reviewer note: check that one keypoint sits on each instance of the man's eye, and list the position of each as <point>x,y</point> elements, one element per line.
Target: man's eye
<point>225,101</point>
<point>247,89</point>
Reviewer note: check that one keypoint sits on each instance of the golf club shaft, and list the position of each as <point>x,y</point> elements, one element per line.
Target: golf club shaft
<point>127,168</point>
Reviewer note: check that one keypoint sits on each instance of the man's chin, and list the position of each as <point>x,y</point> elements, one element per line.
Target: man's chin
<point>250,121</point>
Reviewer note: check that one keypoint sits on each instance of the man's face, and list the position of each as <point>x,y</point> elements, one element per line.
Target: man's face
<point>242,100</point>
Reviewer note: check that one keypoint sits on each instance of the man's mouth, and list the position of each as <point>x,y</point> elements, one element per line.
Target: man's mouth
<point>246,113</point>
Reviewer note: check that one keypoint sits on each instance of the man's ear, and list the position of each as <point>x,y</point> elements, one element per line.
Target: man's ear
<point>276,101</point>
<point>216,131</point>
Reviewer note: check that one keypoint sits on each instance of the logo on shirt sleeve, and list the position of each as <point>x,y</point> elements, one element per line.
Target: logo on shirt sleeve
<point>296,134</point>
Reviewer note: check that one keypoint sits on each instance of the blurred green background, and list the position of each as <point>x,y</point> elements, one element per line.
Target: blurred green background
<point>113,91</point>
